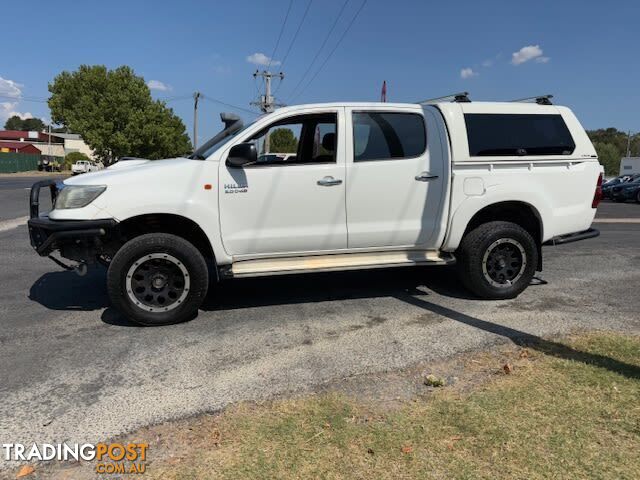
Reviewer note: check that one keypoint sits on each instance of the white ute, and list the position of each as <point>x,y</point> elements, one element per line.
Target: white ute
<point>372,185</point>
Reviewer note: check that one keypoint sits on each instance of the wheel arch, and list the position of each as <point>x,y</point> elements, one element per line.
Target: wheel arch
<point>173,224</point>
<point>519,212</point>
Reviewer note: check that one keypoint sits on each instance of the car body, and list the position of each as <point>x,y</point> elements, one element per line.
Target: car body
<point>608,185</point>
<point>625,191</point>
<point>372,185</point>
<point>85,166</point>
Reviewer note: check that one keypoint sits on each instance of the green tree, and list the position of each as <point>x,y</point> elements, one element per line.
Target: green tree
<point>609,157</point>
<point>115,114</point>
<point>13,123</point>
<point>32,124</point>
<point>282,140</point>
<point>28,124</point>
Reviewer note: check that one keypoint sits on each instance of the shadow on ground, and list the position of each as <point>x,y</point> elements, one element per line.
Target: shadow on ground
<point>66,291</point>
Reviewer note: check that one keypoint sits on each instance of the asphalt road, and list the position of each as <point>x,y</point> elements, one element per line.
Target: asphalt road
<point>14,195</point>
<point>72,369</point>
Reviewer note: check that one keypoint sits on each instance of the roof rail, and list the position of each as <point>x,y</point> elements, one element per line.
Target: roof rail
<point>460,97</point>
<point>540,99</point>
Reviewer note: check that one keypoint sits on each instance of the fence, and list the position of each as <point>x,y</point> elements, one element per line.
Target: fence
<point>18,162</point>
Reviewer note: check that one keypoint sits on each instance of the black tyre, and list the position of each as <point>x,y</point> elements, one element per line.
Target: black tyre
<point>638,196</point>
<point>158,279</point>
<point>497,260</point>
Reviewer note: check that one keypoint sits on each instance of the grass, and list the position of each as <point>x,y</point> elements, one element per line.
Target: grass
<point>556,415</point>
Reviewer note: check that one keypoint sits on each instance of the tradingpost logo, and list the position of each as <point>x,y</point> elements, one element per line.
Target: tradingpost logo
<point>118,458</point>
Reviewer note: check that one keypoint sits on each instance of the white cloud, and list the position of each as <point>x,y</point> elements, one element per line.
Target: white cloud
<point>261,59</point>
<point>530,52</point>
<point>9,88</point>
<point>487,63</point>
<point>467,73</point>
<point>158,85</point>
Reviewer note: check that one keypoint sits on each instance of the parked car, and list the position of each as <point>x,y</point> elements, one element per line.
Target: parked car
<point>608,186</point>
<point>276,157</point>
<point>626,191</point>
<point>373,185</point>
<point>85,166</point>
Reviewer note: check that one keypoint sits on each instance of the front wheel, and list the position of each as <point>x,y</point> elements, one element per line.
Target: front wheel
<point>497,260</point>
<point>158,279</point>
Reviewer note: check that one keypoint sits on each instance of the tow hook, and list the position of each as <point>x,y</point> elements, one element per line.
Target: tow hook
<point>81,268</point>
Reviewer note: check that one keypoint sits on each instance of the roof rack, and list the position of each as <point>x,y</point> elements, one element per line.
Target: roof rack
<point>540,99</point>
<point>460,97</point>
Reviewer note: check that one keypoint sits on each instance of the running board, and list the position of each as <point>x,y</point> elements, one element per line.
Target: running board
<point>333,262</point>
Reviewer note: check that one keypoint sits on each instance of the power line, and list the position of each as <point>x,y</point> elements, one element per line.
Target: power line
<point>296,34</point>
<point>25,99</point>
<point>235,107</point>
<point>324,42</point>
<point>280,35</point>
<point>344,34</point>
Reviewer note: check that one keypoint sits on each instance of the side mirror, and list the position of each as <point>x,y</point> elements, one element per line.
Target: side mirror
<point>242,154</point>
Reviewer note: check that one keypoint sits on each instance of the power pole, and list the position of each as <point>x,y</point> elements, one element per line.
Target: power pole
<point>629,144</point>
<point>196,96</point>
<point>267,101</point>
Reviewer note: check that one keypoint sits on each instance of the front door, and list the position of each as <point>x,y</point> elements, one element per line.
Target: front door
<point>394,187</point>
<point>293,199</point>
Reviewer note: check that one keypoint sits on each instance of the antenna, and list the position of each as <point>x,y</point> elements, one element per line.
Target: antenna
<point>460,97</point>
<point>540,99</point>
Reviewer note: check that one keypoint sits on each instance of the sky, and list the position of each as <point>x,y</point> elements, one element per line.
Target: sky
<point>585,52</point>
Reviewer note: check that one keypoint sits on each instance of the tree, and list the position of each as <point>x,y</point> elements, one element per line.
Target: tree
<point>32,125</point>
<point>28,124</point>
<point>609,157</point>
<point>13,123</point>
<point>282,140</point>
<point>115,114</point>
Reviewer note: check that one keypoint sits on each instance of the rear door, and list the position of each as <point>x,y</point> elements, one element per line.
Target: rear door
<point>394,188</point>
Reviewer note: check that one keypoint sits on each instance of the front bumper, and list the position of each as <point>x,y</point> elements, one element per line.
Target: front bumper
<point>47,235</point>
<point>624,194</point>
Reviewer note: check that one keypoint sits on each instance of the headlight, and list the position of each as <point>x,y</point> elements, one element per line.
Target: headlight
<point>78,196</point>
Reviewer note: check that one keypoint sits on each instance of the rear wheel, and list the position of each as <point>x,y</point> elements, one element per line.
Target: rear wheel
<point>638,196</point>
<point>158,279</point>
<point>497,260</point>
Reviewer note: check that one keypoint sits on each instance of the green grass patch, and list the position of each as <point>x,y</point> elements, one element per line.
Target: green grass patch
<point>570,412</point>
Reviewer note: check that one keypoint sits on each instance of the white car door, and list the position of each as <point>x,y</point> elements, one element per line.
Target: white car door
<point>292,206</point>
<point>394,188</point>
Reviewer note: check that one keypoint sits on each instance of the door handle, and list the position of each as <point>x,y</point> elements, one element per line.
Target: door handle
<point>425,177</point>
<point>329,182</point>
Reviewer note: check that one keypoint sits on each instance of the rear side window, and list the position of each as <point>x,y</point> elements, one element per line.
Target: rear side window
<point>517,134</point>
<point>384,136</point>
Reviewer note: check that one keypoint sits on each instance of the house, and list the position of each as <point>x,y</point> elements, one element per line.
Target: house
<point>49,146</point>
<point>74,143</point>
<point>18,147</point>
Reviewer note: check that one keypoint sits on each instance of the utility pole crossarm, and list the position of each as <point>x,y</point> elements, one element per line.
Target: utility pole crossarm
<point>267,103</point>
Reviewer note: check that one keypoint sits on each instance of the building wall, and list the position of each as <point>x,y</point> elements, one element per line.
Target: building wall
<point>72,145</point>
<point>54,150</point>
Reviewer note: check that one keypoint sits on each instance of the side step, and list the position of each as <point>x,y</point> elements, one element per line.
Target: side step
<point>333,262</point>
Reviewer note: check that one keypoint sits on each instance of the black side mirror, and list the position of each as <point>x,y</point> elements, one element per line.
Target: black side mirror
<point>242,154</point>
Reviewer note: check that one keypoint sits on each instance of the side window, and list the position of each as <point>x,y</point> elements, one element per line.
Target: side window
<point>384,136</point>
<point>298,140</point>
<point>517,134</point>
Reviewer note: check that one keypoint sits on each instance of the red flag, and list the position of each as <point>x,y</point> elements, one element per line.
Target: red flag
<point>383,95</point>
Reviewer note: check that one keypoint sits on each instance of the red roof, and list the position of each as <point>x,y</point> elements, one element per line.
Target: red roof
<point>20,147</point>
<point>19,134</point>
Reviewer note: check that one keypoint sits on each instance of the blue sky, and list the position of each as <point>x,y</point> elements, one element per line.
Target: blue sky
<point>584,52</point>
